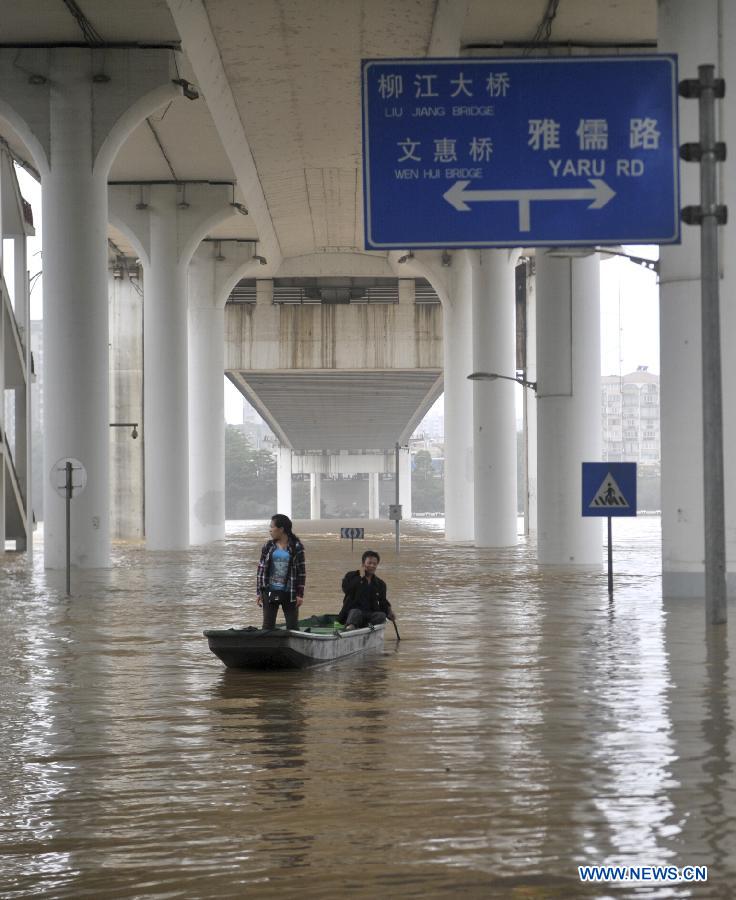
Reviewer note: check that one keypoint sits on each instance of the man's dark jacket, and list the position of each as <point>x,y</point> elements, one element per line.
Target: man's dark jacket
<point>362,594</point>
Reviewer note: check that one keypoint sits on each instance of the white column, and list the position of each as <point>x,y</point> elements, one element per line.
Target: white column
<point>213,270</point>
<point>374,486</point>
<point>694,32</point>
<point>315,495</point>
<point>458,401</point>
<point>73,124</point>
<point>166,432</point>
<point>405,482</point>
<point>568,405</point>
<point>167,228</point>
<point>494,402</point>
<point>206,420</point>
<point>283,481</point>
<point>75,329</point>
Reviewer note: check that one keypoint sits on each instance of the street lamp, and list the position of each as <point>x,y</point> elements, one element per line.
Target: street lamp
<point>492,376</point>
<point>651,264</point>
<point>579,252</point>
<point>133,425</point>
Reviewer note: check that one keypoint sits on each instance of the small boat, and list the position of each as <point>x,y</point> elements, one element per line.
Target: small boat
<point>319,640</point>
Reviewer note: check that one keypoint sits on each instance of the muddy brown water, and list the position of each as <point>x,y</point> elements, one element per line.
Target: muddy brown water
<point>523,726</point>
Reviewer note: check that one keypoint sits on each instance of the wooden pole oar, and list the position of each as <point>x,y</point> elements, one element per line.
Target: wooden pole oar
<point>398,636</point>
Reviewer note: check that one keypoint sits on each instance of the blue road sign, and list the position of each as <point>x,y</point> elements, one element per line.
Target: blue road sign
<point>609,489</point>
<point>514,152</point>
<point>352,533</point>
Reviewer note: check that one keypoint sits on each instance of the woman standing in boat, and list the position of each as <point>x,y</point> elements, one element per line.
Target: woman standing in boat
<point>282,574</point>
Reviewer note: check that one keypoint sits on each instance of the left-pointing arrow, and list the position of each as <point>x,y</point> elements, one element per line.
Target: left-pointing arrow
<point>599,195</point>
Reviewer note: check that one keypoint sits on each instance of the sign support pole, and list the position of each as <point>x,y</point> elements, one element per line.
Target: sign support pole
<point>715,539</point>
<point>398,523</point>
<point>609,489</point>
<point>68,501</point>
<point>709,215</point>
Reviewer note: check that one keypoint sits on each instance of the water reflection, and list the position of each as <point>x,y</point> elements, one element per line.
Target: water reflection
<point>523,726</point>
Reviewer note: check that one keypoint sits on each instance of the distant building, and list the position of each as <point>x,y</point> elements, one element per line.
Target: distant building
<point>631,418</point>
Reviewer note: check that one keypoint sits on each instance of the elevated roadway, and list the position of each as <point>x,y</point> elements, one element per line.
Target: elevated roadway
<point>241,122</point>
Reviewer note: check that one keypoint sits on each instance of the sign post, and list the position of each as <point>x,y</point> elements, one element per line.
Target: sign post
<point>68,478</point>
<point>609,489</point>
<point>394,510</point>
<point>709,215</point>
<point>352,533</point>
<point>520,151</point>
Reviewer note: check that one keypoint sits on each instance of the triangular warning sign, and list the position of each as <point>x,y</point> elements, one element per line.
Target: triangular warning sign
<point>609,495</point>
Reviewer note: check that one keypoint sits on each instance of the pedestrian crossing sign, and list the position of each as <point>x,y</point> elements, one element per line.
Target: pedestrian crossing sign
<point>609,489</point>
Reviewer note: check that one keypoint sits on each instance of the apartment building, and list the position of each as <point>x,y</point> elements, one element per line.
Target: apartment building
<point>631,418</point>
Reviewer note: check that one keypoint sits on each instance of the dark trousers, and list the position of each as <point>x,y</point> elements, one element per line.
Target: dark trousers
<point>271,603</point>
<point>360,619</point>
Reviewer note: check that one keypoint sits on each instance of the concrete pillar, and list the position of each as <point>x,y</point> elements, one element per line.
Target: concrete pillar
<point>75,329</point>
<point>213,270</point>
<point>126,401</point>
<point>206,422</point>
<point>83,120</point>
<point>457,336</point>
<point>405,482</point>
<point>315,495</point>
<point>494,402</point>
<point>374,499</point>
<point>167,230</point>
<point>568,404</point>
<point>165,401</point>
<point>697,34</point>
<point>283,481</point>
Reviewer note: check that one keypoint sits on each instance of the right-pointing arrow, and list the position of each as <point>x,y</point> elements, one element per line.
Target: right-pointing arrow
<point>458,197</point>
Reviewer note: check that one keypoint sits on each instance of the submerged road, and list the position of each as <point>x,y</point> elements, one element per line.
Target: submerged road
<point>522,727</point>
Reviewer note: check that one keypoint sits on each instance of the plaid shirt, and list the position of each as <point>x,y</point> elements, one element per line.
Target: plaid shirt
<point>297,569</point>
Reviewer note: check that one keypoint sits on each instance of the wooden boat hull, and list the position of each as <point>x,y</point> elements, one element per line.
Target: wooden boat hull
<point>279,648</point>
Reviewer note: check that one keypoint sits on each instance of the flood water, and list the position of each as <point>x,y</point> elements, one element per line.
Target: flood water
<point>523,726</point>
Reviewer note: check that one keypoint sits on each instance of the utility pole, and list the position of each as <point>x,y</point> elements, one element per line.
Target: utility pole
<point>709,215</point>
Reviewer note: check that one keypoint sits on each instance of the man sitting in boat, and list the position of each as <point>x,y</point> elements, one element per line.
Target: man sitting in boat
<point>365,600</point>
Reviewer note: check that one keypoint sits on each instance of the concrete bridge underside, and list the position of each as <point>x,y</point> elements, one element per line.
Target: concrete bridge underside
<point>337,377</point>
